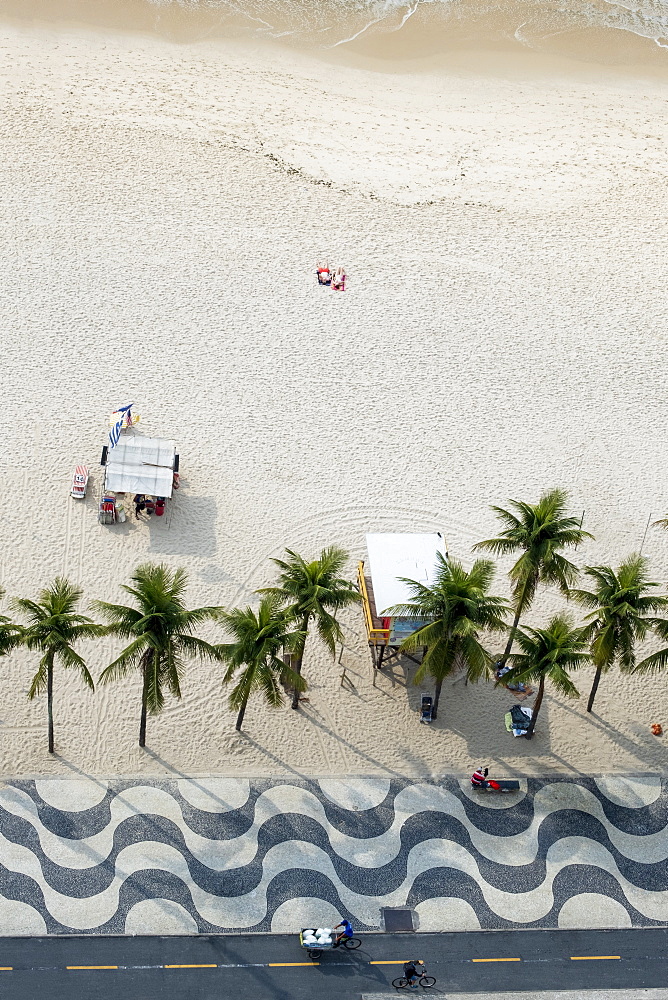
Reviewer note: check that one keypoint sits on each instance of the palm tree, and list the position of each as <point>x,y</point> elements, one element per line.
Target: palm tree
<point>253,658</point>
<point>458,608</point>
<point>160,629</point>
<point>313,593</point>
<point>538,531</point>
<point>54,627</point>
<point>655,662</point>
<point>622,614</point>
<point>548,654</point>
<point>10,632</point>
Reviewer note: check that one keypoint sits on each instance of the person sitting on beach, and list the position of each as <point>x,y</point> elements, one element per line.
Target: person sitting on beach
<point>140,503</point>
<point>479,777</point>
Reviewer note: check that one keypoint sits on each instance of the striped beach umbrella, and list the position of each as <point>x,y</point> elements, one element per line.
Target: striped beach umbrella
<point>123,419</point>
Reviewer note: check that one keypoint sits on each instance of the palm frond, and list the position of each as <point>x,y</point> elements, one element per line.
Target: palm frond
<point>128,659</point>
<point>653,664</point>
<point>38,683</point>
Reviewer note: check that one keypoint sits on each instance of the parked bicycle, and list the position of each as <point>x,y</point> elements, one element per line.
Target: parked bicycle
<point>415,974</point>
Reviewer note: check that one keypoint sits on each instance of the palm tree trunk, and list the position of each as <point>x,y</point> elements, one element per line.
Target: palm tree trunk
<point>513,629</point>
<point>144,699</point>
<point>49,702</point>
<point>437,698</point>
<point>240,716</point>
<point>511,637</point>
<point>594,688</point>
<point>298,665</point>
<point>536,708</point>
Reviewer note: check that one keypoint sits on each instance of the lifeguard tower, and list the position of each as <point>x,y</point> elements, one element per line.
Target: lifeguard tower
<point>392,556</point>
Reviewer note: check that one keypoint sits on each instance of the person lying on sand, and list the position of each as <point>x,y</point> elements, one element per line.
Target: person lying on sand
<point>339,279</point>
<point>324,274</point>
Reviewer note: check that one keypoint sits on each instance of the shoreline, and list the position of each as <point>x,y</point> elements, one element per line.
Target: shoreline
<point>421,46</point>
<point>510,140</point>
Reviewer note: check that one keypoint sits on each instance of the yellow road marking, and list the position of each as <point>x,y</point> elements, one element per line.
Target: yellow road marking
<point>288,965</point>
<point>595,958</point>
<point>190,966</point>
<point>496,959</point>
<point>393,962</point>
<point>71,967</point>
<point>6,968</point>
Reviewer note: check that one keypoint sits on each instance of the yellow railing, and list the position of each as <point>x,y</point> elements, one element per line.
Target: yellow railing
<point>377,636</point>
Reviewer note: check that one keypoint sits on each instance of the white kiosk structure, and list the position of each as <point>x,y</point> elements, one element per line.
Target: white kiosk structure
<point>392,556</point>
<point>141,465</point>
<point>137,466</point>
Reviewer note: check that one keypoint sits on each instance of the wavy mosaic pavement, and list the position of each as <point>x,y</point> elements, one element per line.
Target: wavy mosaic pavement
<point>215,855</point>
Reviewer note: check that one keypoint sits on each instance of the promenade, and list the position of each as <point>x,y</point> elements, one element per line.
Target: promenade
<point>213,855</point>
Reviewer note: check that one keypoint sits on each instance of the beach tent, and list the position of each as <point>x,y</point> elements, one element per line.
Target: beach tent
<point>141,465</point>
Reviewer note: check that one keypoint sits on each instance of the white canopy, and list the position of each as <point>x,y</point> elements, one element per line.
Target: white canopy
<point>392,556</point>
<point>141,465</point>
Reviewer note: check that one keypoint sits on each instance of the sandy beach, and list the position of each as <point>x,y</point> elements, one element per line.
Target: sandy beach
<point>503,225</point>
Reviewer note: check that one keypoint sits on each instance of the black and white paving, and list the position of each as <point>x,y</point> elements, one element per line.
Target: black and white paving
<point>213,855</point>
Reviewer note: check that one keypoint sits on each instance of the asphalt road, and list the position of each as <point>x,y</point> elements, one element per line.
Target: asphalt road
<point>274,967</point>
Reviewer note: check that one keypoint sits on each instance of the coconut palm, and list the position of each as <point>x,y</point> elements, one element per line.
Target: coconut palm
<point>313,593</point>
<point>548,654</point>
<point>54,628</point>
<point>622,613</point>
<point>160,629</point>
<point>10,632</point>
<point>655,662</point>
<point>253,657</point>
<point>458,608</point>
<point>538,531</point>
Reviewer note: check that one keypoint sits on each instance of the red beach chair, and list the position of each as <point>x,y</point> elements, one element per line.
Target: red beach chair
<point>79,482</point>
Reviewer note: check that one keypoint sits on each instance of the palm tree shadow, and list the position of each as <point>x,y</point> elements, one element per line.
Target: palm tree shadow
<point>636,747</point>
<point>374,763</point>
<point>491,750</point>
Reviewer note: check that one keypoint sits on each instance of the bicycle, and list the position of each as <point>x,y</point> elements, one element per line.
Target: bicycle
<point>424,981</point>
<point>350,944</point>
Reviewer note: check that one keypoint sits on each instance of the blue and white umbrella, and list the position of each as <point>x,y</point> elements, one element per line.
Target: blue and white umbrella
<point>124,415</point>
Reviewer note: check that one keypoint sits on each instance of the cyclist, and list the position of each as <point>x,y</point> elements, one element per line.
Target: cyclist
<point>413,970</point>
<point>341,931</point>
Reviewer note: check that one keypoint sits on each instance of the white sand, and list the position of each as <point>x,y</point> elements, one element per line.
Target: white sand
<point>159,229</point>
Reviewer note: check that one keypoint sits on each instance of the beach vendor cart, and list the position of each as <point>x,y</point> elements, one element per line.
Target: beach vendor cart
<point>137,465</point>
<point>316,940</point>
<point>391,558</point>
